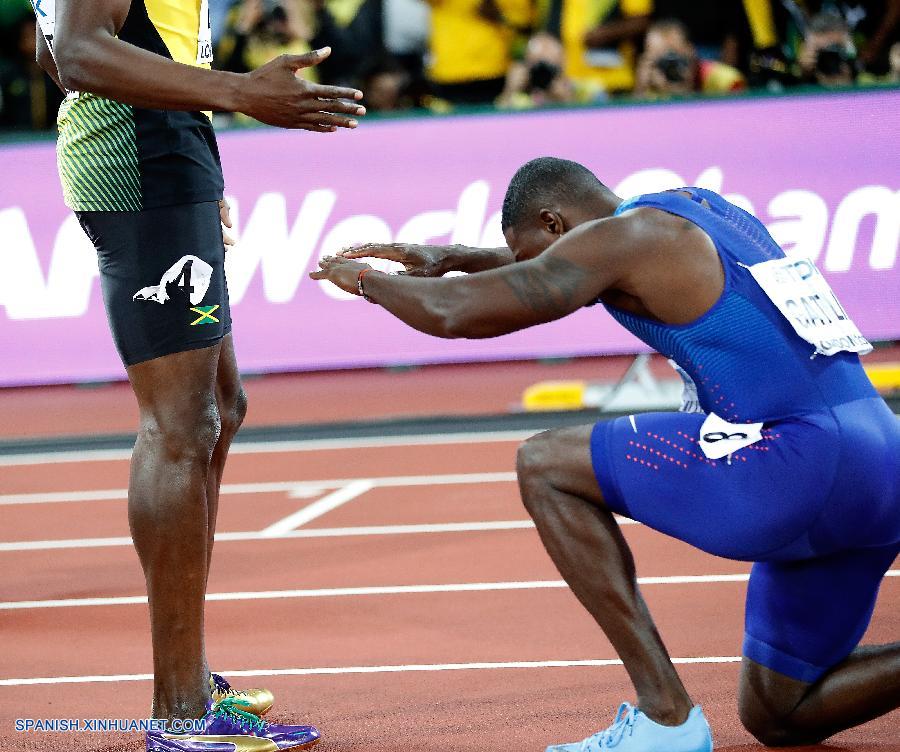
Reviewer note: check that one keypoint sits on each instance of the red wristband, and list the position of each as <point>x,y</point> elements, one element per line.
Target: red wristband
<point>359,284</point>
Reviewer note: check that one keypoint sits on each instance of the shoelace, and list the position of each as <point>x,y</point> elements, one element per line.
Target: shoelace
<point>624,722</point>
<point>228,708</point>
<point>220,685</point>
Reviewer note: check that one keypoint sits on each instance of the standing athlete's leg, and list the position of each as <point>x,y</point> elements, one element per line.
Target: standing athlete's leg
<point>169,517</point>
<point>803,679</point>
<point>560,491</point>
<point>231,402</point>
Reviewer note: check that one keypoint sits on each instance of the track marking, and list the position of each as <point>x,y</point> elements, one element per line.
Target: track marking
<point>294,488</point>
<point>331,671</point>
<point>315,510</point>
<point>323,532</point>
<point>468,587</point>
<point>254,535</point>
<point>275,447</point>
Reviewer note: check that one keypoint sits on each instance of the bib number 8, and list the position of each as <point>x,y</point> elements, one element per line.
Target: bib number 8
<point>719,438</point>
<point>715,436</point>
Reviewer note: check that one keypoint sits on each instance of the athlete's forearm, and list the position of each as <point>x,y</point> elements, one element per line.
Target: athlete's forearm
<point>461,258</point>
<point>497,302</point>
<point>102,64</point>
<point>422,303</point>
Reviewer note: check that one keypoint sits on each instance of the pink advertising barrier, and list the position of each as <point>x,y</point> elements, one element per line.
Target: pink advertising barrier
<point>821,171</point>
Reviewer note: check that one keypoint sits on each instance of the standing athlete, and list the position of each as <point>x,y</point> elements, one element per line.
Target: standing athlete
<point>794,462</point>
<point>140,167</point>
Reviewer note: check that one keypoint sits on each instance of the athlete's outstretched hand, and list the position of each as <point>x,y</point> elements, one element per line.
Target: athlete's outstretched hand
<point>341,272</point>
<point>274,94</point>
<point>419,260</point>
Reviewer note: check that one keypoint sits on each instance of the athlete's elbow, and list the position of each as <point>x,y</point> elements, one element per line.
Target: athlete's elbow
<point>440,320</point>
<point>466,327</point>
<point>451,328</point>
<point>457,318</point>
<point>44,59</point>
<point>459,323</point>
<point>75,65</point>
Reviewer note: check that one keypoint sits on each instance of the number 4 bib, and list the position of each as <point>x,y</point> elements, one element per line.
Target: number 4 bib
<point>190,273</point>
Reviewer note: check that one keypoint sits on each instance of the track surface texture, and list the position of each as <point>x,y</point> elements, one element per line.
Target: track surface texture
<point>390,591</point>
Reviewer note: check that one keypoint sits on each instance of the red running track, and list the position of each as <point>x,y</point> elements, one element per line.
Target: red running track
<point>392,634</point>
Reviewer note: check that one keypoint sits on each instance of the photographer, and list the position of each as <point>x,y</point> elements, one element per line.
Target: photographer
<point>265,29</point>
<point>670,66</point>
<point>538,79</point>
<point>829,55</point>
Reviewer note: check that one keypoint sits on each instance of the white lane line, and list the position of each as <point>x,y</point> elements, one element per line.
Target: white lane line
<point>323,532</point>
<point>294,488</point>
<point>331,671</point>
<point>277,447</point>
<point>467,587</point>
<point>52,497</point>
<point>315,510</point>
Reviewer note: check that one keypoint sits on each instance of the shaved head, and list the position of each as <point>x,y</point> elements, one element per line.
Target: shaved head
<point>545,182</point>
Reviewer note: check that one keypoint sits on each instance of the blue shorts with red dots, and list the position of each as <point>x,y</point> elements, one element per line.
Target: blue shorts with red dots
<point>816,504</point>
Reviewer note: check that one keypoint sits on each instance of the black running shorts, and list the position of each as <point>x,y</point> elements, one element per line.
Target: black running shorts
<point>162,272</point>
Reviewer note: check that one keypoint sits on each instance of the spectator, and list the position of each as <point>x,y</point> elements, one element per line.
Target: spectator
<point>471,47</point>
<point>829,55</point>
<point>539,79</point>
<point>219,13</point>
<point>894,60</point>
<point>354,29</point>
<point>670,65</point>
<point>264,29</point>
<point>407,24</point>
<point>874,26</point>
<point>719,29</point>
<point>600,38</point>
<point>880,29</point>
<point>389,86</point>
<point>777,27</point>
<point>406,29</point>
<point>28,97</point>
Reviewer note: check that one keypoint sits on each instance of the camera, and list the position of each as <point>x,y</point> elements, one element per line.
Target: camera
<point>542,74</point>
<point>674,66</point>
<point>836,59</point>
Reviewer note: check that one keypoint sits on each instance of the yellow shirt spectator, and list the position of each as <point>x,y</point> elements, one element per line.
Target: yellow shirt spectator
<point>611,67</point>
<point>466,46</point>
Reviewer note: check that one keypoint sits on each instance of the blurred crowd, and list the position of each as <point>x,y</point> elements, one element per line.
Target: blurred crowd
<point>517,54</point>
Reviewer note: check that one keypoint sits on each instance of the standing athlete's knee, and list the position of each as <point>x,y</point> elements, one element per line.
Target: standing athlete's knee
<point>233,413</point>
<point>187,434</point>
